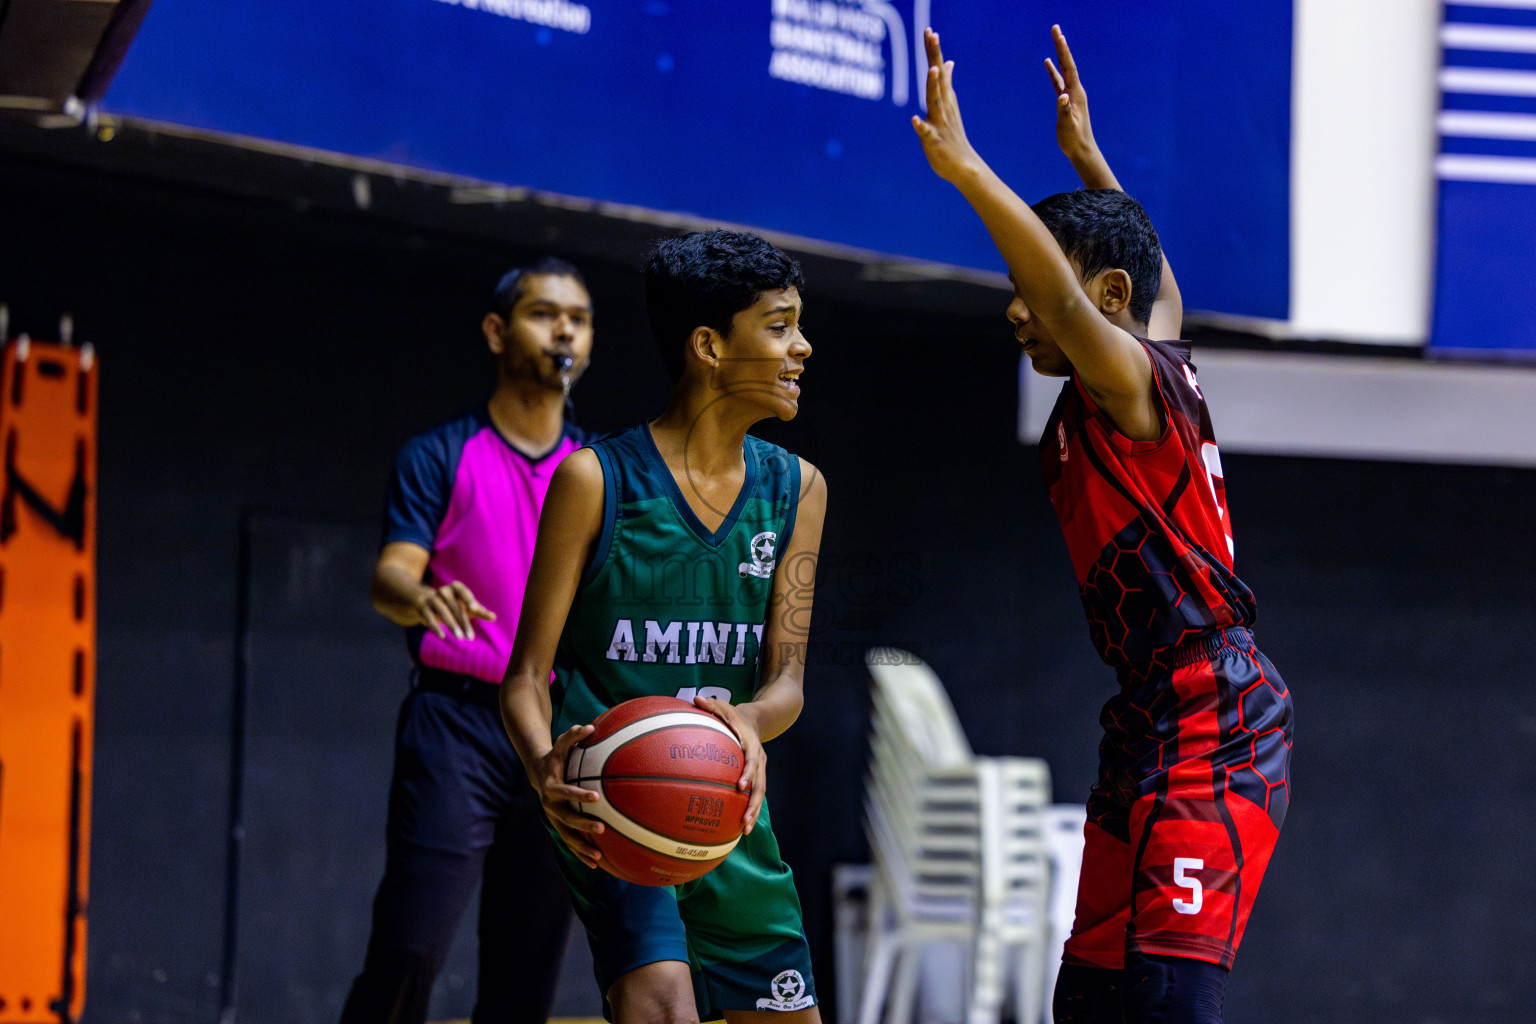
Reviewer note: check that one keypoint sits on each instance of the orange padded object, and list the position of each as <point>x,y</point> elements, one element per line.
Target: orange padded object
<point>47,675</point>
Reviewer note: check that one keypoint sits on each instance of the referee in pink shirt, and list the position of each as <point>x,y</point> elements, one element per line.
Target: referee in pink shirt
<point>459,529</point>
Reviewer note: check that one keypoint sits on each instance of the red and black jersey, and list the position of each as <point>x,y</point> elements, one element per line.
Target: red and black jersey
<point>1145,521</point>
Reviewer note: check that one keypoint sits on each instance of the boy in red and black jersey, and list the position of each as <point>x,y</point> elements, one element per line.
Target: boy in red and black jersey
<point>1192,785</point>
<point>1145,521</point>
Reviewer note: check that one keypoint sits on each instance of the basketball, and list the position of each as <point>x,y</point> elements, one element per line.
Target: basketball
<point>666,771</point>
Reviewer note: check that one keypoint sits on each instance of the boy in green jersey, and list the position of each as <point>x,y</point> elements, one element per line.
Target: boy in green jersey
<point>679,558</point>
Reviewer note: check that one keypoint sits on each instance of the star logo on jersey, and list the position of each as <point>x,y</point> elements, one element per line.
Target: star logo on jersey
<point>761,550</point>
<point>788,989</point>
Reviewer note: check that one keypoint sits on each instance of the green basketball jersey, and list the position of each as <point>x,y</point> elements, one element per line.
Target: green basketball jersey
<point>665,606</point>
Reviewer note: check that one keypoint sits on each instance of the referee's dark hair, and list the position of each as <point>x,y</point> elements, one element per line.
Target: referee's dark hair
<point>510,288</point>
<point>706,278</point>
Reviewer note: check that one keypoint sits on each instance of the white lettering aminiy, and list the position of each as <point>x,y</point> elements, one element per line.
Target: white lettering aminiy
<point>740,657</point>
<point>1185,881</point>
<point>705,643</point>
<point>659,641</point>
<point>622,646</point>
<point>714,638</point>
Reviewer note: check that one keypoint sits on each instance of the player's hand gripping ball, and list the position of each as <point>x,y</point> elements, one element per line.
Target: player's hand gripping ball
<point>667,772</point>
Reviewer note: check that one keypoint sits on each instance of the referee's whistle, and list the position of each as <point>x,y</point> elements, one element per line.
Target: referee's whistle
<point>563,363</point>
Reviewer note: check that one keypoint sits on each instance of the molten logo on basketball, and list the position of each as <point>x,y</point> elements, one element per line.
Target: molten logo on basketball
<point>704,752</point>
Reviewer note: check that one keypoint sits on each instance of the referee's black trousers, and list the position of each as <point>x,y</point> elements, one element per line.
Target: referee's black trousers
<point>461,812</point>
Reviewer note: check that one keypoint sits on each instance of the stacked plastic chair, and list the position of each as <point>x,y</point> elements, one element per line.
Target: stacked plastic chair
<point>1064,851</point>
<point>958,853</point>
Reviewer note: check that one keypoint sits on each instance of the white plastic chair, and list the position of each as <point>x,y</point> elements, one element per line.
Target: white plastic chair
<point>1063,826</point>
<point>958,851</point>
<point>927,878</point>
<point>908,696</point>
<point>1015,886</point>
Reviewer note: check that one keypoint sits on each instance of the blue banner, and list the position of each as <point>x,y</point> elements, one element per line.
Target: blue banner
<point>791,115</point>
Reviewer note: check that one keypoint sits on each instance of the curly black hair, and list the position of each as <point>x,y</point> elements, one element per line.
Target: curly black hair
<point>706,278</point>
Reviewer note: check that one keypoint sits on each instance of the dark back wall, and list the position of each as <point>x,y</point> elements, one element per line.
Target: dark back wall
<point>255,356</point>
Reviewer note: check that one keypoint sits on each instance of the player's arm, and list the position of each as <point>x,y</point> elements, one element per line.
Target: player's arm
<point>401,595</point>
<point>568,527</point>
<point>1074,134</point>
<point>1110,363</point>
<point>781,694</point>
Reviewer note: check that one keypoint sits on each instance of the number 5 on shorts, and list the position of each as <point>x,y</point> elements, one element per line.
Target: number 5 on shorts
<point>1183,881</point>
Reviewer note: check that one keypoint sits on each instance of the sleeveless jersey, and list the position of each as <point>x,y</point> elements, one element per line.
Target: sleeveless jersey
<point>665,606</point>
<point>1145,522</point>
<point>462,491</point>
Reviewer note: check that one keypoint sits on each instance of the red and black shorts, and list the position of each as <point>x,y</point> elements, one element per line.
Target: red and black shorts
<point>1191,793</point>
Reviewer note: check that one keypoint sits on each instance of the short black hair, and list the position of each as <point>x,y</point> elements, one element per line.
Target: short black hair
<point>706,278</point>
<point>1105,229</point>
<point>510,288</point>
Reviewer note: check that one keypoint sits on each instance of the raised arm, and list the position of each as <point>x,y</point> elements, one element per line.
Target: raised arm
<point>1074,134</point>
<point>1108,361</point>
<point>568,527</point>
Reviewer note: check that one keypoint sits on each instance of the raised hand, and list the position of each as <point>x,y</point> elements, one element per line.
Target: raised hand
<point>1074,132</point>
<point>943,135</point>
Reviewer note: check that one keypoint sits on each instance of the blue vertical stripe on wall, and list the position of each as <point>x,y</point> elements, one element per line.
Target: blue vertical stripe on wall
<point>1484,285</point>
